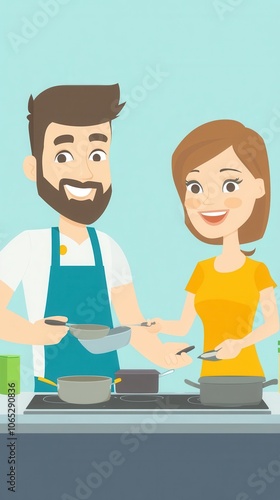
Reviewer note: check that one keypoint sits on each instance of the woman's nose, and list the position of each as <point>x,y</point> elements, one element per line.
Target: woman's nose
<point>211,194</point>
<point>208,200</point>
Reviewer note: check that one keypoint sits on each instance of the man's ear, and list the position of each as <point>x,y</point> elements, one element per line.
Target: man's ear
<point>30,167</point>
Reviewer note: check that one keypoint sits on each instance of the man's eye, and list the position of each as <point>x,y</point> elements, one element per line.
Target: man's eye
<point>194,187</point>
<point>231,185</point>
<point>97,155</point>
<point>63,157</point>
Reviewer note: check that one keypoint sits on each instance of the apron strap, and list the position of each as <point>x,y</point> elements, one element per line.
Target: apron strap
<point>55,247</point>
<point>94,242</point>
<point>95,246</point>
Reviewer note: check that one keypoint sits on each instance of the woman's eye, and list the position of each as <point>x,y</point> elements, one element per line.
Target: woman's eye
<point>231,186</point>
<point>194,187</point>
<point>97,155</point>
<point>63,157</point>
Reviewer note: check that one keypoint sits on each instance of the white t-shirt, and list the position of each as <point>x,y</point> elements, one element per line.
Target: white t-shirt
<point>27,259</point>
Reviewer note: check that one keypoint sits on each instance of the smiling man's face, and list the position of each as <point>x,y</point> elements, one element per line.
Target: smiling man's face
<point>74,175</point>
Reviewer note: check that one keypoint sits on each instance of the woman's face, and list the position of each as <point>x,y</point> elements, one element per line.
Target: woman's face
<point>220,195</point>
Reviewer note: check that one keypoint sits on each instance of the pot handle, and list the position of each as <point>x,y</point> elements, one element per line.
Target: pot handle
<point>166,373</point>
<point>274,381</point>
<point>193,384</point>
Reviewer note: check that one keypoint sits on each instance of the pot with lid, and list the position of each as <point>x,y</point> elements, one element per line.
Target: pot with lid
<point>139,381</point>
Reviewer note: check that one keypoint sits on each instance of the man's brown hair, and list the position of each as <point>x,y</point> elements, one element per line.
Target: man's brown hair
<point>76,105</point>
<point>206,142</point>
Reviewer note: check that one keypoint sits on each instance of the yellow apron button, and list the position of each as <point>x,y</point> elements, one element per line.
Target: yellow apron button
<point>63,249</point>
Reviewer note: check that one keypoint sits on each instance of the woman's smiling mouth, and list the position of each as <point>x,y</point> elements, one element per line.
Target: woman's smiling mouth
<point>214,217</point>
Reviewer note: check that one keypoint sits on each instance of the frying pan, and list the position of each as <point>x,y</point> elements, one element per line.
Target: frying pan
<point>87,331</point>
<point>83,389</point>
<point>83,331</point>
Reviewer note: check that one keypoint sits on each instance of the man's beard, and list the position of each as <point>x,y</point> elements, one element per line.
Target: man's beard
<point>81,211</point>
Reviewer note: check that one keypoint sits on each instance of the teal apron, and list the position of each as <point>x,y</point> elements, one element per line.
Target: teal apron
<point>81,294</point>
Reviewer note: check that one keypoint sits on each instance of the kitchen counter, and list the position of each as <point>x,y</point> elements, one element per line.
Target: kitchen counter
<point>155,455</point>
<point>154,423</point>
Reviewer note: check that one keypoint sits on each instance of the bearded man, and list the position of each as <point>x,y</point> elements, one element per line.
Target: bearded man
<point>73,272</point>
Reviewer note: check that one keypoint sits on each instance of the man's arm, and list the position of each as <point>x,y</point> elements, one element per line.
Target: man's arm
<point>16,329</point>
<point>125,303</point>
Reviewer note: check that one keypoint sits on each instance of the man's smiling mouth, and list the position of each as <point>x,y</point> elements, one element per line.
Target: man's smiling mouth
<point>79,193</point>
<point>214,217</point>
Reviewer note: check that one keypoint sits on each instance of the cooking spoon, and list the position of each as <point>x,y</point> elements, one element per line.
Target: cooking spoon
<point>209,356</point>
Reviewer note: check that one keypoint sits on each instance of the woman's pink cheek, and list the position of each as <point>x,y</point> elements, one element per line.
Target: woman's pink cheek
<point>233,202</point>
<point>192,203</point>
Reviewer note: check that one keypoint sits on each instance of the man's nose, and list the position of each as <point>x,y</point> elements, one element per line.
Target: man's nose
<point>84,170</point>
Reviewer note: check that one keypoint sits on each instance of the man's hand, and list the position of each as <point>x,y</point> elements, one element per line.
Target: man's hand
<point>229,349</point>
<point>47,334</point>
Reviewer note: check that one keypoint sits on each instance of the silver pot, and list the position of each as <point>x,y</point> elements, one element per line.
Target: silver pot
<point>84,389</point>
<point>231,390</point>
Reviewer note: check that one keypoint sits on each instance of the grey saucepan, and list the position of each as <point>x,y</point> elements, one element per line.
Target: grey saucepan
<point>83,389</point>
<point>231,390</point>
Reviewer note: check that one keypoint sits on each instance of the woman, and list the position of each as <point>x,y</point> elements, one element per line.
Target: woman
<point>221,173</point>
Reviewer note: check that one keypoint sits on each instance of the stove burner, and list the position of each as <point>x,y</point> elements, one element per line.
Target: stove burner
<point>53,399</point>
<point>132,403</point>
<point>194,400</point>
<point>141,399</point>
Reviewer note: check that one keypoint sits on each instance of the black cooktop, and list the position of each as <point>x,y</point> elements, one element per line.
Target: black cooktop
<point>138,403</point>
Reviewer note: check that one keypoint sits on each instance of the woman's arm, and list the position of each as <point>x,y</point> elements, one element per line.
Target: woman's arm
<point>271,319</point>
<point>178,327</point>
<point>150,346</point>
<point>231,348</point>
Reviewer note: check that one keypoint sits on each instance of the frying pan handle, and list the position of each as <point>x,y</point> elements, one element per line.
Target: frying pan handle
<point>55,322</point>
<point>274,381</point>
<point>193,384</point>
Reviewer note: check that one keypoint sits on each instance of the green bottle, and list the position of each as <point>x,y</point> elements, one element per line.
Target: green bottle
<point>9,374</point>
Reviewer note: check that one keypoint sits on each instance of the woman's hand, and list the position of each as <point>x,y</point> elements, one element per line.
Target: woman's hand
<point>167,358</point>
<point>229,349</point>
<point>155,325</point>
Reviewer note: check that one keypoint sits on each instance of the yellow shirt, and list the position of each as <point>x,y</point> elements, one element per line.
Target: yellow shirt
<point>226,304</point>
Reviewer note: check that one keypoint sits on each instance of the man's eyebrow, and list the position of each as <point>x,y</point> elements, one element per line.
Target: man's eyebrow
<point>63,138</point>
<point>235,170</point>
<point>98,137</point>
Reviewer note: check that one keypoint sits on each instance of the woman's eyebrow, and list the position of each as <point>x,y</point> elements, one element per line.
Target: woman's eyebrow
<point>193,171</point>
<point>235,170</point>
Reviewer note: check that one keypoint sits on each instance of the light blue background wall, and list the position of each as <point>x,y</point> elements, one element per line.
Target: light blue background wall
<point>213,60</point>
